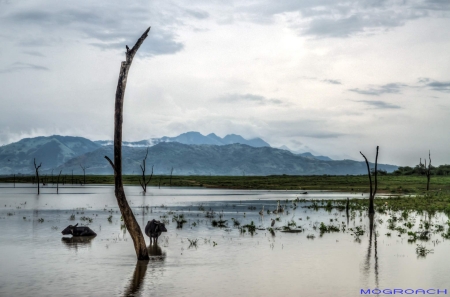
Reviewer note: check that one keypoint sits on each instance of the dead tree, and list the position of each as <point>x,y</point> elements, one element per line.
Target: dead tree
<point>142,181</point>
<point>84,173</point>
<point>14,180</point>
<point>37,173</point>
<point>170,182</point>
<point>427,170</point>
<point>72,176</point>
<point>127,214</point>
<point>57,182</point>
<point>373,191</point>
<point>53,182</point>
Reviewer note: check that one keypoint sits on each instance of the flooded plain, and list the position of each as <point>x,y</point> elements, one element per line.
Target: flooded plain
<point>225,247</point>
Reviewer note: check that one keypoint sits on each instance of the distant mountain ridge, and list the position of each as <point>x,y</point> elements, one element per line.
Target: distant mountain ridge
<point>51,151</point>
<point>193,138</point>
<point>68,153</point>
<point>231,159</point>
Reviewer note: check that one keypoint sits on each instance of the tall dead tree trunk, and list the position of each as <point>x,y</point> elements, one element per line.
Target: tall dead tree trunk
<point>427,170</point>
<point>143,182</point>
<point>37,173</point>
<point>57,183</point>
<point>127,214</point>
<point>373,191</point>
<point>84,174</point>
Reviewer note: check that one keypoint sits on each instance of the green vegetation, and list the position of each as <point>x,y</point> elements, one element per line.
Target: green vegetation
<point>390,184</point>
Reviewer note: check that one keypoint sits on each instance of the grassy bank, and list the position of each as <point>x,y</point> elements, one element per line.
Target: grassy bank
<point>350,183</point>
<point>412,188</point>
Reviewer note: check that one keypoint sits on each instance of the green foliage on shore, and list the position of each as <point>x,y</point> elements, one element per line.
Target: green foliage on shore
<point>389,184</point>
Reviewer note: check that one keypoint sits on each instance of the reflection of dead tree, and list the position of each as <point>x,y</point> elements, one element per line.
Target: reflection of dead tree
<point>37,173</point>
<point>143,182</point>
<point>127,214</point>
<point>170,183</point>
<point>138,279</point>
<point>372,191</point>
<point>57,182</point>
<point>84,173</point>
<point>427,170</point>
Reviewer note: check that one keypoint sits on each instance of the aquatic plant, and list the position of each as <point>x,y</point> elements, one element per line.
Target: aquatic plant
<point>220,223</point>
<point>179,219</point>
<point>422,251</point>
<point>41,220</point>
<point>210,214</point>
<point>357,231</point>
<point>327,229</point>
<point>110,218</point>
<point>193,242</point>
<point>408,224</point>
<point>251,228</point>
<point>83,218</point>
<point>310,236</point>
<point>412,236</point>
<point>236,223</point>
<point>72,217</point>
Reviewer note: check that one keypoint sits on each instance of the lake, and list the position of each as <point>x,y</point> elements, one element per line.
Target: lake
<point>36,260</point>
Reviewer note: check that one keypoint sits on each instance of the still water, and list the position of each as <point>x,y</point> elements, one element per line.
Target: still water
<point>36,260</point>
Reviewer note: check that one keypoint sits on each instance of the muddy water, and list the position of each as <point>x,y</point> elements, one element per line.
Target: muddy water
<point>36,260</point>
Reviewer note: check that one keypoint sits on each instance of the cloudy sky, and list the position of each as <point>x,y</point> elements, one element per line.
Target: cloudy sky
<point>327,76</point>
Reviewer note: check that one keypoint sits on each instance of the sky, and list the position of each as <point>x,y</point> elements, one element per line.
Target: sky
<point>327,76</point>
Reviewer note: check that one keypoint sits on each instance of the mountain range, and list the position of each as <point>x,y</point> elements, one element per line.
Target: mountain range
<point>192,138</point>
<point>189,154</point>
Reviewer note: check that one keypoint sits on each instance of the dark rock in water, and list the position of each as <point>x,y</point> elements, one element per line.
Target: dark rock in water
<point>78,231</point>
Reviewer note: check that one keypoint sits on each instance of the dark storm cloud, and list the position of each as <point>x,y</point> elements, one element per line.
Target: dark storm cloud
<point>379,104</point>
<point>258,99</point>
<point>19,66</point>
<point>392,88</point>
<point>440,86</point>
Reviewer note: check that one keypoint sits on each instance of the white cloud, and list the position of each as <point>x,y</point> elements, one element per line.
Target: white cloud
<point>284,68</point>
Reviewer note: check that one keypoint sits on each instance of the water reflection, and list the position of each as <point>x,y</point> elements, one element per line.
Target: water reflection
<point>76,242</point>
<point>155,252</point>
<point>369,251</point>
<point>138,278</point>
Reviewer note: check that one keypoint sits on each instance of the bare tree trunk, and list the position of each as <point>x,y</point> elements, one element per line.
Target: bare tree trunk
<point>143,182</point>
<point>84,173</point>
<point>428,171</point>
<point>37,173</point>
<point>170,183</point>
<point>372,191</point>
<point>127,214</point>
<point>57,183</point>
<point>72,176</point>
<point>14,180</point>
